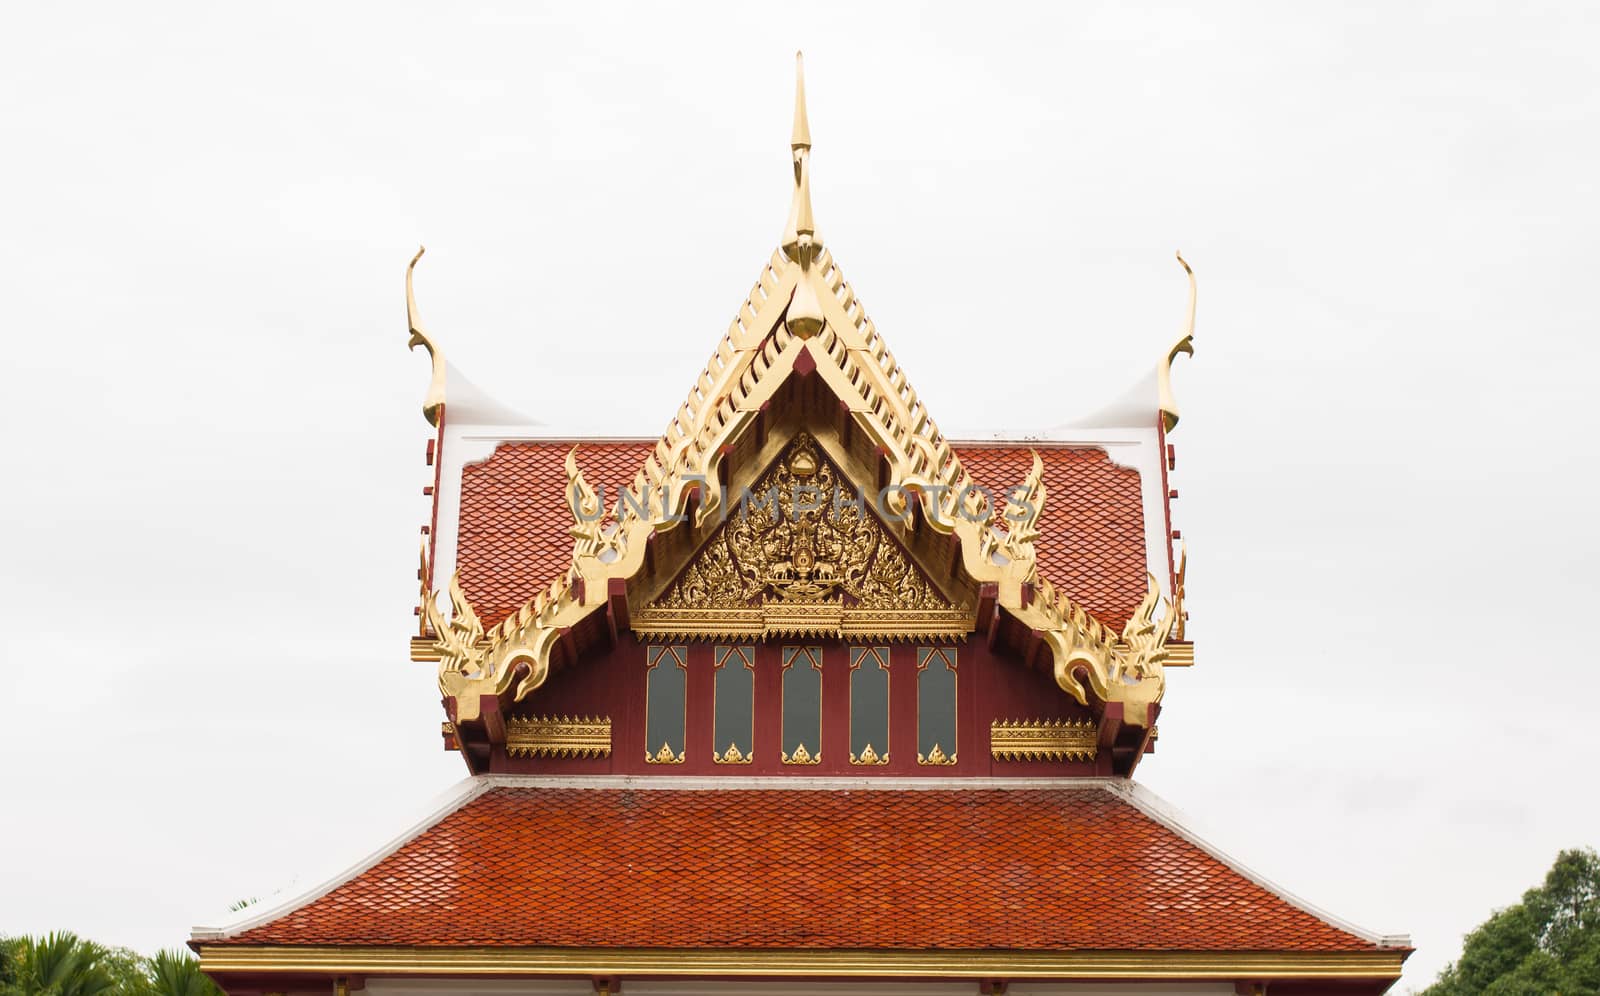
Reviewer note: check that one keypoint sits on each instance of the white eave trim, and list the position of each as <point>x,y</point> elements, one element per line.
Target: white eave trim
<point>235,923</point>
<point>1158,809</point>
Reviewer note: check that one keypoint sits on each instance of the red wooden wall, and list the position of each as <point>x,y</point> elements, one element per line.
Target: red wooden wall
<point>988,687</point>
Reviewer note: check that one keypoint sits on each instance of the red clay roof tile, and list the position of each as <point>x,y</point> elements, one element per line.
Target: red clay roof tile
<point>777,868</point>
<point>512,540</point>
<point>1091,533</point>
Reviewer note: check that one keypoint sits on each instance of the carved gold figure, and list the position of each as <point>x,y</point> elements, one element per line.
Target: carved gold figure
<point>789,541</point>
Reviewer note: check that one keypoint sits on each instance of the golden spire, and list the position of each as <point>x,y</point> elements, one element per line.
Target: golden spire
<point>800,239</point>
<point>802,130</point>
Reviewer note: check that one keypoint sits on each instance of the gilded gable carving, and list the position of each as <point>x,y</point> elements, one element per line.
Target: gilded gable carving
<point>803,551</point>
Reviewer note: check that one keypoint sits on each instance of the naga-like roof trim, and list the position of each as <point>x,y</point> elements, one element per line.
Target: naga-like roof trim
<point>803,315</point>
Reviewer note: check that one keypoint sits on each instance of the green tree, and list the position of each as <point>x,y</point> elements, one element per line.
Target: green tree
<point>9,948</point>
<point>62,964</point>
<point>1549,943</point>
<point>175,973</point>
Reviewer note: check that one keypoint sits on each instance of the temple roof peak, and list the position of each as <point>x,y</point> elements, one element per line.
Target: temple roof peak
<point>802,129</point>
<point>800,239</point>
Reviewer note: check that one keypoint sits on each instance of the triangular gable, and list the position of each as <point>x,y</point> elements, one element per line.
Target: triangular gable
<point>802,552</point>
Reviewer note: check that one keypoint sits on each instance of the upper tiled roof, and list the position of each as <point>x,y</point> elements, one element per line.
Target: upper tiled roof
<point>877,868</point>
<point>1091,534</point>
<point>513,528</point>
<point>512,540</point>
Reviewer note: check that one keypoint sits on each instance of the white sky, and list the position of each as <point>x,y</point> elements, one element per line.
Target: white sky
<point>215,458</point>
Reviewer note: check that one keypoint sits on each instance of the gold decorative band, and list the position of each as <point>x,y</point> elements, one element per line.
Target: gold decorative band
<point>558,736</point>
<point>1043,740</point>
<point>800,619</point>
<point>1225,965</point>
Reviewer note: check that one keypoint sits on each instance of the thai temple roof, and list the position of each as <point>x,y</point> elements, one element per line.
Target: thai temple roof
<point>1050,559</point>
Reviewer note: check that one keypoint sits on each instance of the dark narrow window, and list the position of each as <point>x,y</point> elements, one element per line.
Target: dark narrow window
<point>936,705</point>
<point>666,696</point>
<point>734,722</point>
<point>802,705</point>
<point>869,705</point>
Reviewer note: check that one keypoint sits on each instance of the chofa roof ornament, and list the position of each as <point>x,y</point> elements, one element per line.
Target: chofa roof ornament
<point>1185,345</point>
<point>433,403</point>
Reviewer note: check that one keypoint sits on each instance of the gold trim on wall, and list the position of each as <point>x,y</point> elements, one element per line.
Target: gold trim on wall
<point>1224,965</point>
<point>558,736</point>
<point>1043,740</point>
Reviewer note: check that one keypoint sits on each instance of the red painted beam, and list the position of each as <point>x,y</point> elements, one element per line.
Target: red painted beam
<point>617,597</point>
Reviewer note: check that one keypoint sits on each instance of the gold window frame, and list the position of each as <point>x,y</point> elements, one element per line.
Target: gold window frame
<point>936,755</point>
<point>791,655</point>
<point>880,655</point>
<point>655,655</point>
<point>722,657</point>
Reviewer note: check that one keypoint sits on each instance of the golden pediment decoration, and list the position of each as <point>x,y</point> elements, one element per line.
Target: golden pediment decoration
<point>1043,740</point>
<point>801,554</point>
<point>558,736</point>
<point>936,756</point>
<point>733,756</point>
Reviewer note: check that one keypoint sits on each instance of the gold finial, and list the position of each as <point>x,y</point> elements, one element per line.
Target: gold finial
<point>802,129</point>
<point>800,239</point>
<point>1185,345</point>
<point>434,402</point>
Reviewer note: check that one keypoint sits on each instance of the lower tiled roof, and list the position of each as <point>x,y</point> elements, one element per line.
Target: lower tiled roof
<point>881,868</point>
<point>513,539</point>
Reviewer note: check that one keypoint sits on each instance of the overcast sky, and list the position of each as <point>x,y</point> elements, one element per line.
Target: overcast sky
<point>215,452</point>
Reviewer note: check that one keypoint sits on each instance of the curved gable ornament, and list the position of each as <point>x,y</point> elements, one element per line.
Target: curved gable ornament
<point>753,359</point>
